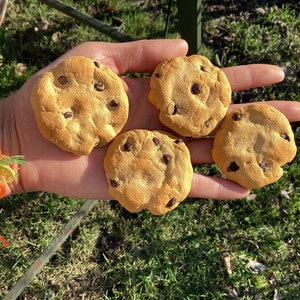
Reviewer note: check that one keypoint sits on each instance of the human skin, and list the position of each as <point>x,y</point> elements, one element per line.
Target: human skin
<point>48,168</point>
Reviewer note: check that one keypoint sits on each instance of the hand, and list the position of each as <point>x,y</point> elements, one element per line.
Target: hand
<point>48,168</point>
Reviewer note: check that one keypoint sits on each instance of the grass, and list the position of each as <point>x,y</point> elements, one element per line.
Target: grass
<point>181,255</point>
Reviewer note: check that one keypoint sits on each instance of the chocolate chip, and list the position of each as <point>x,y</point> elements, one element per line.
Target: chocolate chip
<point>63,80</point>
<point>127,147</point>
<point>233,167</point>
<point>99,86</point>
<point>286,137</point>
<point>167,158</point>
<point>114,183</point>
<point>263,165</point>
<point>156,141</point>
<point>171,203</point>
<point>175,110</point>
<point>114,103</point>
<point>157,75</point>
<point>207,123</point>
<point>196,88</point>
<point>96,64</point>
<point>178,141</point>
<point>202,68</point>
<point>236,116</point>
<point>68,114</point>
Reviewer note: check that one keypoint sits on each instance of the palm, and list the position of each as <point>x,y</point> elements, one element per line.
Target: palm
<point>51,169</point>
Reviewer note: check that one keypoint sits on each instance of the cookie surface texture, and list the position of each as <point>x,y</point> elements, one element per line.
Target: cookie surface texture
<point>80,104</point>
<point>252,144</point>
<point>148,170</point>
<point>191,94</point>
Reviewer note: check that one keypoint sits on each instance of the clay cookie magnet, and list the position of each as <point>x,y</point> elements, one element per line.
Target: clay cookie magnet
<point>148,170</point>
<point>79,105</point>
<point>191,94</point>
<point>252,144</point>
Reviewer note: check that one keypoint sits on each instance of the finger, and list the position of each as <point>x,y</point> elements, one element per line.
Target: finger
<point>216,188</point>
<point>143,56</point>
<point>250,76</point>
<point>200,150</point>
<point>291,109</point>
<point>138,56</point>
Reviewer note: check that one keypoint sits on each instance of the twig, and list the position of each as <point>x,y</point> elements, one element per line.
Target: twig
<point>40,262</point>
<point>3,5</point>
<point>106,29</point>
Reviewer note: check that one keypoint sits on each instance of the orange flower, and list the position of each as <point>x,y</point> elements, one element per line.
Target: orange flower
<point>4,242</point>
<point>2,190</point>
<point>7,171</point>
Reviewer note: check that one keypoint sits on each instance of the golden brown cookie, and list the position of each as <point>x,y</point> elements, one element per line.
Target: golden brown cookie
<point>148,170</point>
<point>252,144</point>
<point>80,104</point>
<point>191,94</point>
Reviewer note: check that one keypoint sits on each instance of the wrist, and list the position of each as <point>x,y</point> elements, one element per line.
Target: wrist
<point>9,147</point>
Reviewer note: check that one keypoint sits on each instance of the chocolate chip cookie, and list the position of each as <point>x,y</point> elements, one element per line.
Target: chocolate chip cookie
<point>252,144</point>
<point>79,105</point>
<point>148,170</point>
<point>191,94</point>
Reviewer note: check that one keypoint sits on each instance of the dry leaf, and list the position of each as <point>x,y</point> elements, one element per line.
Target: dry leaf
<point>277,295</point>
<point>55,37</point>
<point>255,266</point>
<point>20,69</point>
<point>227,262</point>
<point>232,293</point>
<point>251,197</point>
<point>284,194</point>
<point>42,26</point>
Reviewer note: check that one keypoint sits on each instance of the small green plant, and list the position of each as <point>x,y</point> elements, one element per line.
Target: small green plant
<point>262,35</point>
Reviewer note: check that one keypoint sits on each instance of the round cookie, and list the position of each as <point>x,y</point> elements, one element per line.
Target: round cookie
<point>252,144</point>
<point>80,104</point>
<point>148,170</point>
<point>191,94</point>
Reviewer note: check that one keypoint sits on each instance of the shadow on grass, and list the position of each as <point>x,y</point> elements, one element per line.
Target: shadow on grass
<point>189,262</point>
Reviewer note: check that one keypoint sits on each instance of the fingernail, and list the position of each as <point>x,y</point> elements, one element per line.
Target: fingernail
<point>280,71</point>
<point>181,46</point>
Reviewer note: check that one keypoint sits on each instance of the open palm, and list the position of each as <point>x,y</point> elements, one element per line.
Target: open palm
<point>48,168</point>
